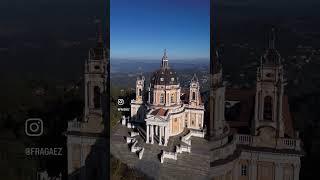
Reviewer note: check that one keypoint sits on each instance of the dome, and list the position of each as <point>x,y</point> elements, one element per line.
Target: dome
<point>165,76</point>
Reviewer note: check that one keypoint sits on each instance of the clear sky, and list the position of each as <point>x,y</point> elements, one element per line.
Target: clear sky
<point>141,29</point>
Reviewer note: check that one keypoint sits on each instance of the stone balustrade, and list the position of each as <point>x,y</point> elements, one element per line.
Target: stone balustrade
<point>75,125</point>
<point>186,139</point>
<point>133,134</point>
<point>195,133</point>
<point>225,151</point>
<point>180,109</point>
<point>168,155</point>
<point>141,153</point>
<point>244,139</point>
<point>282,143</point>
<point>130,125</point>
<point>285,143</point>
<point>134,148</point>
<point>130,139</point>
<point>123,120</point>
<point>182,148</point>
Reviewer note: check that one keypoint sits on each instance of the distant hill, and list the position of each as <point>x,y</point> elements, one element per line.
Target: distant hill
<point>133,66</point>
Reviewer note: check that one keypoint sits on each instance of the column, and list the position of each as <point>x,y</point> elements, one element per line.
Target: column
<point>256,109</point>
<point>223,177</point>
<point>253,170</point>
<point>157,129</point>
<point>149,95</point>
<point>296,171</point>
<point>70,169</point>
<point>82,162</point>
<point>151,134</point>
<point>278,171</point>
<point>160,135</point>
<point>86,106</point>
<point>165,135</point>
<point>147,134</point>
<point>235,171</point>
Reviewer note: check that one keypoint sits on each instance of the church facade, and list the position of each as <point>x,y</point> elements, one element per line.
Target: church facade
<point>164,109</point>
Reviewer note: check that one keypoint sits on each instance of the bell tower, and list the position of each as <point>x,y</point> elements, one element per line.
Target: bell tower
<point>194,96</point>
<point>269,91</point>
<point>95,80</point>
<point>217,122</point>
<point>86,143</point>
<point>140,89</point>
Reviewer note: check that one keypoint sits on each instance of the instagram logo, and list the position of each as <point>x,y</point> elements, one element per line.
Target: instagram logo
<point>120,102</point>
<point>34,127</point>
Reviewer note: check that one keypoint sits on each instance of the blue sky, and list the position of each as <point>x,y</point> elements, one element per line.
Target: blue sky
<point>141,29</point>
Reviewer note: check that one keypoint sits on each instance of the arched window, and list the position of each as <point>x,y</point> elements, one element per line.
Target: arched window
<point>140,92</point>
<point>97,97</point>
<point>267,109</point>
<point>193,96</point>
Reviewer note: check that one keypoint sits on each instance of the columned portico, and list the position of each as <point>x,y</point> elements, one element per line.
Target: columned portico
<point>159,128</point>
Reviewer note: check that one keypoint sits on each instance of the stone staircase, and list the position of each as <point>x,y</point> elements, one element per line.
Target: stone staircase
<point>182,144</point>
<point>198,165</point>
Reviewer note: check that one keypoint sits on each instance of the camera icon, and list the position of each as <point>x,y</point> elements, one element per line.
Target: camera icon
<point>33,127</point>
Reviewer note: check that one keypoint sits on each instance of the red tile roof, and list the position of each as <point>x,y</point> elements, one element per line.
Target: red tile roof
<point>159,112</point>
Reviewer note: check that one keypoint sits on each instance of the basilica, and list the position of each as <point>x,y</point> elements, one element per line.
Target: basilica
<point>166,110</point>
